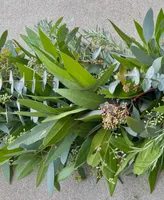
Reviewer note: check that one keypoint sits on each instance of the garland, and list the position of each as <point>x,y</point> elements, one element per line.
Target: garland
<point>75,98</point>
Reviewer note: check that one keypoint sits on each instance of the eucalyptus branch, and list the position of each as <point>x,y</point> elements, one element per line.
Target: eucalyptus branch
<point>140,95</point>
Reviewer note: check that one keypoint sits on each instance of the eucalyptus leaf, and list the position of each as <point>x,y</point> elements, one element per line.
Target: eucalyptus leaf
<point>1,81</point>
<point>150,72</point>
<point>29,137</point>
<point>141,55</point>
<point>146,84</point>
<point>50,179</point>
<point>113,86</point>
<point>6,172</point>
<point>96,53</point>
<point>148,25</point>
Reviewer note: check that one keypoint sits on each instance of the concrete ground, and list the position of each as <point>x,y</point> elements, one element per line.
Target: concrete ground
<point>14,15</point>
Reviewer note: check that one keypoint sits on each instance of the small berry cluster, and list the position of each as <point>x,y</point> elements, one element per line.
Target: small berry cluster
<point>113,115</point>
<point>4,98</point>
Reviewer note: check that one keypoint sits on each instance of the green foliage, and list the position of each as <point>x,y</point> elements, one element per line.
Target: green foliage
<point>77,99</point>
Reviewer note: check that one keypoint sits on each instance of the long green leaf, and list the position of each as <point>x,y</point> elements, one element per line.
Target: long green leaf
<point>91,116</point>
<point>125,163</point>
<point>47,44</point>
<point>104,78</point>
<point>40,107</point>
<point>98,145</point>
<point>145,159</point>
<point>109,170</point>
<point>64,114</point>
<point>120,143</point>
<point>23,49</point>
<point>58,131</point>
<point>81,75</point>
<point>33,37</point>
<point>55,153</point>
<point>140,31</point>
<point>61,74</point>
<point>153,177</point>
<point>26,168</point>
<point>85,99</point>
<point>3,39</point>
<point>125,37</point>
<point>83,153</point>
<point>160,17</point>
<point>41,173</point>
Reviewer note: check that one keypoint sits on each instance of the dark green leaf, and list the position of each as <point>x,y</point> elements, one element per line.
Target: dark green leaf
<point>136,125</point>
<point>72,34</point>
<point>56,25</point>
<point>83,153</point>
<point>153,177</point>
<point>110,169</point>
<point>104,78</point>
<point>3,39</point>
<point>58,131</point>
<point>24,50</point>
<point>125,163</point>
<point>98,147</point>
<point>120,143</point>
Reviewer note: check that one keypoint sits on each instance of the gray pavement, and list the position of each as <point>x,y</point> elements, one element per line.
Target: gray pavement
<point>14,15</point>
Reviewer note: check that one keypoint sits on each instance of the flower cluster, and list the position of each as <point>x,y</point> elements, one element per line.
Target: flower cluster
<point>154,119</point>
<point>162,99</point>
<point>3,55</point>
<point>119,155</point>
<point>4,98</point>
<point>113,115</point>
<point>126,88</point>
